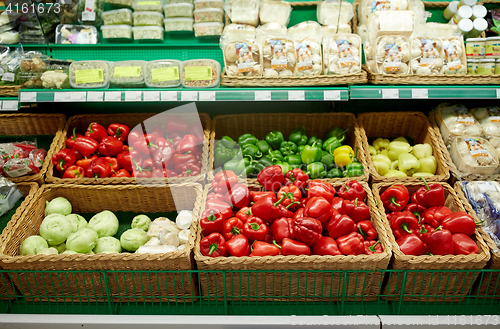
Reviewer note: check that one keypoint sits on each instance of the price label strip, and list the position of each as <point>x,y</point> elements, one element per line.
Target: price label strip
<point>420,93</point>
<point>331,95</point>
<point>207,96</point>
<point>296,95</point>
<point>95,96</point>
<point>28,97</point>
<point>113,96</point>
<point>133,96</point>
<point>264,95</point>
<point>390,93</point>
<point>168,96</point>
<point>151,96</point>
<point>78,96</point>
<point>189,96</point>
<point>10,105</point>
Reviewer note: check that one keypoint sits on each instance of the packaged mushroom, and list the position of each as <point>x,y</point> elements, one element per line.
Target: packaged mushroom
<point>474,155</point>
<point>242,58</point>
<point>455,121</point>
<point>307,38</point>
<point>453,53</point>
<point>243,11</point>
<point>334,12</point>
<point>278,57</point>
<point>342,54</point>
<point>392,55</point>
<point>368,7</point>
<point>328,30</point>
<point>272,11</point>
<point>236,32</point>
<point>489,118</point>
<point>263,31</point>
<point>426,56</point>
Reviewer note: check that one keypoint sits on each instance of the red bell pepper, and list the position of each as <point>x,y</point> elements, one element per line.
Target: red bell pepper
<point>373,247</point>
<point>326,246</point>
<point>351,244</point>
<point>337,203</point>
<point>303,202</point>
<point>196,129</point>
<point>174,138</point>
<point>291,247</point>
<point>96,132</point>
<point>271,178</point>
<point>99,168</point>
<point>110,146</point>
<point>434,216</point>
<point>357,210</point>
<point>439,242</point>
<point>464,245</point>
<point>113,162</point>
<point>282,228</point>
<point>211,221</point>
<point>188,144</point>
<point>64,159</point>
<point>221,206</point>
<point>395,198</point>
<point>255,229</point>
<point>269,238</point>
<point>74,172</point>
<point>293,196</point>
<point>85,163</point>
<point>217,196</point>
<point>460,222</point>
<point>299,213</point>
<point>121,173</point>
<point>416,209</point>
<point>255,196</point>
<point>307,230</point>
<point>18,154</point>
<point>366,229</point>
<point>223,181</point>
<point>432,195</point>
<point>244,214</point>
<point>119,131</point>
<point>352,190</point>
<point>319,208</point>
<point>70,142</point>
<point>175,123</point>
<point>85,146</point>
<point>340,225</point>
<point>298,178</point>
<point>231,227</point>
<point>164,154</point>
<point>238,246</point>
<point>190,169</point>
<point>213,245</point>
<point>143,143</point>
<point>141,173</point>
<point>268,210</point>
<point>318,188</point>
<point>411,245</point>
<point>125,161</point>
<point>239,195</point>
<point>148,165</point>
<point>260,248</point>
<point>403,223</point>
<point>181,161</point>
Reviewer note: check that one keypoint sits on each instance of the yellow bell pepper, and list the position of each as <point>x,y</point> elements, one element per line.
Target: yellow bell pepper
<point>395,173</point>
<point>343,155</point>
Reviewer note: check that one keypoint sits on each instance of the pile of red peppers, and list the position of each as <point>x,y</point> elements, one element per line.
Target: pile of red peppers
<point>170,151</point>
<point>293,216</point>
<point>423,225</point>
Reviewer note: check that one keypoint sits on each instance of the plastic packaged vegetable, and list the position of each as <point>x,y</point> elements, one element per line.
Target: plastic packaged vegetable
<point>278,57</point>
<point>242,58</point>
<point>201,73</point>
<point>243,11</point>
<point>237,32</point>
<point>148,33</point>
<point>127,74</point>
<point>456,120</point>
<point>275,12</point>
<point>334,12</point>
<point>34,62</point>
<point>208,29</point>
<point>117,17</point>
<point>342,54</point>
<point>148,18</point>
<point>76,34</point>
<point>121,3</point>
<point>9,195</point>
<point>269,29</point>
<point>178,24</point>
<point>455,61</point>
<point>89,74</point>
<point>203,4</point>
<point>489,118</point>
<point>333,29</point>
<point>148,5</point>
<point>392,55</point>
<point>163,73</point>
<point>116,32</point>
<point>90,12</point>
<point>426,56</point>
<point>208,15</point>
<point>178,10</point>
<point>474,155</point>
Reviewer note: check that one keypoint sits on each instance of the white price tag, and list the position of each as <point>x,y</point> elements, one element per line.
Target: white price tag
<point>390,93</point>
<point>189,96</point>
<point>133,96</point>
<point>9,105</point>
<point>420,93</point>
<point>207,96</point>
<point>296,95</point>
<point>498,93</point>
<point>28,97</point>
<point>263,95</point>
<point>331,95</point>
<point>151,96</point>
<point>61,97</point>
<point>95,96</point>
<point>169,96</point>
<point>78,96</point>
<point>113,96</point>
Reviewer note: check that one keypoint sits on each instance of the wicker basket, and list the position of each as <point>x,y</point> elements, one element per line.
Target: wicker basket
<point>81,122</point>
<point>28,190</point>
<point>488,284</point>
<point>318,124</point>
<point>12,91</point>
<point>34,124</point>
<point>297,286</point>
<point>394,124</point>
<point>94,285</point>
<point>434,286</point>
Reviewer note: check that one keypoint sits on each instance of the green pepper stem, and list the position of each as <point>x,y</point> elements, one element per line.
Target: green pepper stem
<point>279,201</point>
<point>213,247</point>
<point>74,133</point>
<point>254,226</point>
<point>361,232</point>
<point>235,231</point>
<point>416,214</point>
<point>393,201</point>
<point>404,226</point>
<point>296,202</point>
<point>426,185</point>
<point>372,248</point>
<point>277,245</point>
<point>61,162</point>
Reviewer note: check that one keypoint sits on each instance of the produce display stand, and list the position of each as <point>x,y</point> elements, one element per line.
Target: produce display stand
<point>132,290</point>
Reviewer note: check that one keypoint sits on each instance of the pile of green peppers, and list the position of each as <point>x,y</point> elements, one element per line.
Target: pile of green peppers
<point>249,155</point>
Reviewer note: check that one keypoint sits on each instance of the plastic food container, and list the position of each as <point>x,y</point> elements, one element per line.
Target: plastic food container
<point>127,74</point>
<point>492,47</point>
<point>201,73</point>
<point>242,58</point>
<point>178,1</point>
<point>275,11</point>
<point>121,3</point>
<point>76,34</point>
<point>30,80</point>
<point>489,118</point>
<point>178,24</point>
<point>474,155</point>
<point>178,10</point>
<point>34,62</point>
<point>486,66</point>
<point>471,67</point>
<point>208,29</point>
<point>148,5</point>
<point>163,73</point>
<point>89,74</point>
<point>475,47</point>
<point>208,15</point>
<point>456,121</point>
<point>342,54</point>
<point>497,66</point>
<point>116,32</point>
<point>204,4</point>
<point>148,33</point>
<point>117,17</point>
<point>243,12</point>
<point>148,18</point>
<point>239,31</point>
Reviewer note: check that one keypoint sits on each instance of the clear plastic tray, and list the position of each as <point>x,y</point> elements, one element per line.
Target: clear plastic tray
<point>148,33</point>
<point>208,29</point>
<point>203,4</point>
<point>127,74</point>
<point>456,121</point>
<point>117,32</point>
<point>474,155</point>
<point>148,5</point>
<point>117,17</point>
<point>76,34</point>
<point>178,24</point>
<point>163,73</point>
<point>208,15</point>
<point>178,10</point>
<point>201,73</point>
<point>34,62</point>
<point>148,18</point>
<point>89,74</point>
<point>121,3</point>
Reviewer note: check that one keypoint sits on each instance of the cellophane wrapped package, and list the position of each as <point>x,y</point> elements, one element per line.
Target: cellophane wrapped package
<point>307,38</point>
<point>474,155</point>
<point>390,55</point>
<point>334,12</point>
<point>242,58</point>
<point>456,121</point>
<point>278,56</point>
<point>273,11</point>
<point>9,195</point>
<point>489,118</point>
<point>342,54</point>
<point>243,11</point>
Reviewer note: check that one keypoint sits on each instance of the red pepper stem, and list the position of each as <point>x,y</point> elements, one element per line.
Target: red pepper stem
<point>426,185</point>
<point>356,202</point>
<point>404,226</point>
<point>211,217</point>
<point>277,245</point>
<point>279,201</point>
<point>291,204</point>
<point>235,231</point>
<point>416,214</point>
<point>372,248</point>
<point>117,132</point>
<point>393,200</point>
<point>74,133</point>
<point>248,212</point>
<point>438,228</point>
<point>480,222</point>
<point>254,226</point>
<point>423,230</point>
<point>213,247</point>
<point>361,232</point>
<point>61,162</point>
<point>90,129</point>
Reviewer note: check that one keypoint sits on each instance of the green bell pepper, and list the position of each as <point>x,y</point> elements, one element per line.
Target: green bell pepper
<point>294,166</point>
<point>274,139</point>
<point>231,165</point>
<point>222,155</point>
<point>228,142</point>
<point>331,144</point>
<point>300,149</point>
<point>288,148</point>
<point>276,156</point>
<point>318,142</point>
<point>248,168</point>
<point>328,160</point>
<point>353,169</point>
<point>293,159</point>
<point>240,166</point>
<point>316,170</point>
<point>334,173</point>
<point>251,151</point>
<point>263,146</point>
<point>337,133</point>
<point>247,139</point>
<point>298,136</point>
<point>311,154</point>
<point>237,152</point>
<point>285,167</point>
<point>263,162</point>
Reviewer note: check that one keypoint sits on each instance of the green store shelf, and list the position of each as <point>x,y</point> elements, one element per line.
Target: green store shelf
<point>424,92</point>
